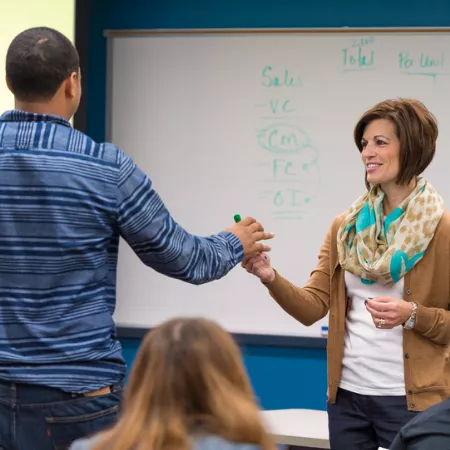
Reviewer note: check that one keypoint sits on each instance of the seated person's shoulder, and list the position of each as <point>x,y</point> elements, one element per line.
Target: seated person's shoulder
<point>430,429</point>
<point>218,443</point>
<point>201,443</point>
<point>432,414</point>
<point>82,444</point>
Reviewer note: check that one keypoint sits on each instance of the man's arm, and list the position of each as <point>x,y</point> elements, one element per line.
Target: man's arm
<point>146,224</point>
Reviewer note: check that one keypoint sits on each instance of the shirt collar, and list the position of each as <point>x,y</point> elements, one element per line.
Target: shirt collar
<point>16,115</point>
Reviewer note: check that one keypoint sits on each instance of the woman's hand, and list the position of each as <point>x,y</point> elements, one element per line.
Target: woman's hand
<point>258,264</point>
<point>389,312</point>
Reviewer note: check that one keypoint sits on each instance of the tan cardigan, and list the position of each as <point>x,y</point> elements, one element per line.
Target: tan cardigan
<point>426,356</point>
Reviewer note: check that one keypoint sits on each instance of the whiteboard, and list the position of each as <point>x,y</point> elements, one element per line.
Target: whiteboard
<point>258,124</point>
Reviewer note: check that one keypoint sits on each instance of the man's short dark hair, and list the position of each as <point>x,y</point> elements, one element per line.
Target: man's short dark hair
<point>38,61</point>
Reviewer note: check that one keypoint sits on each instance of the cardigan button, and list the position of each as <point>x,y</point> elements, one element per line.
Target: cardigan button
<point>412,405</point>
<point>408,292</point>
<point>406,355</point>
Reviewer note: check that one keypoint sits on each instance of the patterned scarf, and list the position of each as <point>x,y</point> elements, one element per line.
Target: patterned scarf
<point>384,250</point>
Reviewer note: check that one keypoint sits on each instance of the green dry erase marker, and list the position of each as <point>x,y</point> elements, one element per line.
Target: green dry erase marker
<point>237,218</point>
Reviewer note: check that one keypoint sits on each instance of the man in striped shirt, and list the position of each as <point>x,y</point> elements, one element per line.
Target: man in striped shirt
<point>64,202</point>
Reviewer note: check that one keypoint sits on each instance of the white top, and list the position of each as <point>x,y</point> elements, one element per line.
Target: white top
<point>373,357</point>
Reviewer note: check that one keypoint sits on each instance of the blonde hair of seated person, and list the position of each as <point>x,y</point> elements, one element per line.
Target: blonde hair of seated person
<point>187,379</point>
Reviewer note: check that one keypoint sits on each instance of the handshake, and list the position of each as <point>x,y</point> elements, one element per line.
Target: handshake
<point>250,233</point>
<point>256,261</point>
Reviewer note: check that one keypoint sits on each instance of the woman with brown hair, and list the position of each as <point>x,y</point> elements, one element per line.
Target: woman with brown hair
<point>383,277</point>
<point>188,389</point>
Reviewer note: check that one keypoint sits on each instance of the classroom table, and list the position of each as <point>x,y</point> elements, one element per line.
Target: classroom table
<point>299,429</point>
<point>303,429</point>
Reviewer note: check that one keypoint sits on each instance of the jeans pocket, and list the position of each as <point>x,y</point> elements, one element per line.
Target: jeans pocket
<point>65,429</point>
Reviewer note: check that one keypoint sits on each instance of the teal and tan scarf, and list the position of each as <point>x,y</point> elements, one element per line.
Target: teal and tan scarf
<point>384,250</point>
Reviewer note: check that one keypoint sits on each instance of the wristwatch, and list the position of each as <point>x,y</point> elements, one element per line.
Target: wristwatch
<point>409,324</point>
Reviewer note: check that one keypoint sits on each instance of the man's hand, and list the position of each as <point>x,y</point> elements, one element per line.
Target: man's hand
<point>250,232</point>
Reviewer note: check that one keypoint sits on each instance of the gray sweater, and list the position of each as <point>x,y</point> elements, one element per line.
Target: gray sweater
<point>204,443</point>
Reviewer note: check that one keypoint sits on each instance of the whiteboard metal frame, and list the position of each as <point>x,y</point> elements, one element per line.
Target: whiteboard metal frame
<point>245,339</point>
<point>189,31</point>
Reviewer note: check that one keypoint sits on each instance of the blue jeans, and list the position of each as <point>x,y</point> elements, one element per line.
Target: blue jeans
<point>41,418</point>
<point>365,422</point>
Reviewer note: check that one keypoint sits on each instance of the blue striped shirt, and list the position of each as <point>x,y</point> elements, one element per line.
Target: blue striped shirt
<point>64,202</point>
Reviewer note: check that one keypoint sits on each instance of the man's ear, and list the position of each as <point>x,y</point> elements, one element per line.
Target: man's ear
<point>8,84</point>
<point>71,85</point>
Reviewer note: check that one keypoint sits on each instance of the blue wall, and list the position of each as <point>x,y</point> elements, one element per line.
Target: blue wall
<point>282,377</point>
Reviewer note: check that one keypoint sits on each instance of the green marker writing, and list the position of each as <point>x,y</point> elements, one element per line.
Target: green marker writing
<point>237,218</point>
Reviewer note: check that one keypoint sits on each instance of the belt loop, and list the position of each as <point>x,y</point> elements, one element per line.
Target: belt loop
<point>117,387</point>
